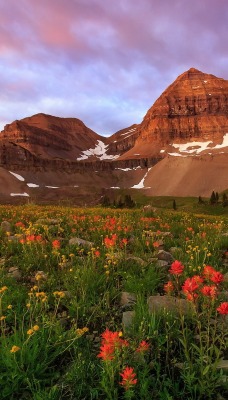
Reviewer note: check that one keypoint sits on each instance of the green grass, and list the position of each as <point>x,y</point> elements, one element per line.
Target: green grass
<point>56,317</point>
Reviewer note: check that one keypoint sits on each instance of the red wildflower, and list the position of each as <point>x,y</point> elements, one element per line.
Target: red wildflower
<point>109,336</point>
<point>20,224</point>
<point>110,242</point>
<point>156,244</point>
<point>209,291</point>
<point>176,268</point>
<point>106,352</point>
<point>39,238</point>
<point>124,241</point>
<point>97,253</point>
<point>168,287</point>
<point>113,339</point>
<point>191,296</point>
<point>30,238</point>
<point>189,286</point>
<point>143,346</point>
<point>197,279</point>
<point>223,308</point>
<point>56,244</point>
<point>217,277</point>
<point>208,271</point>
<point>128,378</point>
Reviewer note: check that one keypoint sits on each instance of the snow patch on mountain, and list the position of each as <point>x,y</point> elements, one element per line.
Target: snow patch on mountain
<point>129,169</point>
<point>140,185</point>
<point>20,194</point>
<point>99,151</point>
<point>33,185</point>
<point>19,177</point>
<point>196,147</point>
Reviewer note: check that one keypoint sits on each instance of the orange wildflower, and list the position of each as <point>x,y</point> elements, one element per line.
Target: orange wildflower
<point>128,378</point>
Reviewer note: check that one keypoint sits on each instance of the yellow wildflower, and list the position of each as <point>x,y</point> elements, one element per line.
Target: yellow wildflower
<point>14,349</point>
<point>30,332</point>
<point>3,289</point>
<point>36,328</point>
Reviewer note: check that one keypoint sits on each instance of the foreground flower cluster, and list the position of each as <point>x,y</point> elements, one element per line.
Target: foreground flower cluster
<point>206,285</point>
<point>65,273</point>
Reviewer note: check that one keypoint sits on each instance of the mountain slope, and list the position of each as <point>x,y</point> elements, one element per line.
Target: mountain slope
<point>179,149</point>
<point>194,108</point>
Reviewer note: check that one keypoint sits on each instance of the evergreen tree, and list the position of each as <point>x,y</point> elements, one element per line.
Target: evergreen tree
<point>200,201</point>
<point>120,203</point>
<point>213,198</point>
<point>174,205</point>
<point>105,201</point>
<point>128,202</point>
<point>216,197</point>
<point>224,200</point>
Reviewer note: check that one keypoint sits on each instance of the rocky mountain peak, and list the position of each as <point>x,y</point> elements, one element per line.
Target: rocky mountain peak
<point>193,108</point>
<point>183,137</point>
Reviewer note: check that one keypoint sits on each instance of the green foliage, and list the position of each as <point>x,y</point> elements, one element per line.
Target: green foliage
<point>51,322</point>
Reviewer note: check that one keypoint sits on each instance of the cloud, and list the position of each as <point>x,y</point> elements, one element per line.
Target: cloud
<point>103,62</point>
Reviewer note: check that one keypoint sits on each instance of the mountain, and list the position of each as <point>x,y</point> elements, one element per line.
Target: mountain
<point>179,149</point>
<point>194,108</point>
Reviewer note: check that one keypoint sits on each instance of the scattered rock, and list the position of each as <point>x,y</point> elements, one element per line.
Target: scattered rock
<point>223,364</point>
<point>6,227</point>
<point>80,242</point>
<point>173,304</point>
<point>149,208</point>
<point>127,300</point>
<point>14,239</point>
<point>226,277</point>
<point>174,250</point>
<point>127,318</point>
<point>14,272</point>
<point>2,262</point>
<point>48,221</point>
<point>136,259</point>
<point>165,256</point>
<point>40,276</point>
<point>162,263</point>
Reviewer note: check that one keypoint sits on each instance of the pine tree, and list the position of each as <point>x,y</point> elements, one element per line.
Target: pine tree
<point>216,197</point>
<point>224,200</point>
<point>174,205</point>
<point>128,202</point>
<point>213,198</point>
<point>120,203</point>
<point>105,202</point>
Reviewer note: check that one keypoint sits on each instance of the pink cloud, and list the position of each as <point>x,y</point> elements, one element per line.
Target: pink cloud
<point>97,57</point>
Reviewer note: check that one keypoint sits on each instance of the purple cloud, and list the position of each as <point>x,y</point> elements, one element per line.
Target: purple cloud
<point>103,62</point>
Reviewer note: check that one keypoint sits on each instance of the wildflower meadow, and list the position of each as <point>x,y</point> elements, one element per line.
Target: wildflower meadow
<point>99,303</point>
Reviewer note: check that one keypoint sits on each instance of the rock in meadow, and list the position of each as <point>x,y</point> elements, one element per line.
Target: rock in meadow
<point>127,300</point>
<point>14,273</point>
<point>171,304</point>
<point>80,242</point>
<point>6,227</point>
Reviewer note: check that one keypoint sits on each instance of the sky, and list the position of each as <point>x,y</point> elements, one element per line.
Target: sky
<point>103,61</point>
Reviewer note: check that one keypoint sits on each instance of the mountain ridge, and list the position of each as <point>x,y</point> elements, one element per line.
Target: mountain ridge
<point>188,120</point>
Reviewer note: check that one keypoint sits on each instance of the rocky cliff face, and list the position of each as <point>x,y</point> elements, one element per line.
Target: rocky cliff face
<point>193,108</point>
<point>48,137</point>
<point>188,120</point>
